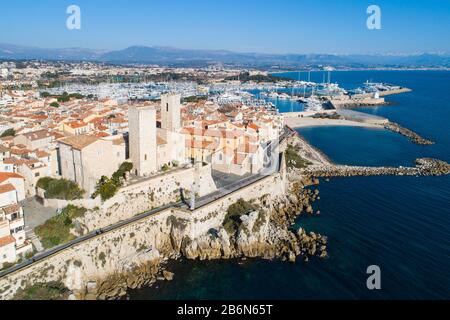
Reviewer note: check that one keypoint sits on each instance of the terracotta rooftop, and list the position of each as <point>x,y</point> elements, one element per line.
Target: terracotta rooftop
<point>7,240</point>
<point>11,209</point>
<point>38,135</point>
<point>6,188</point>
<point>79,142</point>
<point>8,175</point>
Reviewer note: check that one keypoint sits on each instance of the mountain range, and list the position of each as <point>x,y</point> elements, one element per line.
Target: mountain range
<point>184,57</point>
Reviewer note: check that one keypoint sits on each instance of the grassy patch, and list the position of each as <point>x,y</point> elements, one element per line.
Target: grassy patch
<point>41,291</point>
<point>56,231</point>
<point>61,189</point>
<point>294,160</point>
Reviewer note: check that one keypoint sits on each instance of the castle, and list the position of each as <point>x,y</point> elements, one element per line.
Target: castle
<point>153,148</point>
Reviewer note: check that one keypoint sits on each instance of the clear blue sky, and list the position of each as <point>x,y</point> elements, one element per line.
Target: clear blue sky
<point>272,26</point>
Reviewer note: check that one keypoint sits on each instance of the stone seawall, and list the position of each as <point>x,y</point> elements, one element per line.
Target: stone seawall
<point>115,257</point>
<point>146,195</point>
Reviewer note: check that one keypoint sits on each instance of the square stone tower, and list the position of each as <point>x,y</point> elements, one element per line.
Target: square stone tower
<point>171,112</point>
<point>142,140</point>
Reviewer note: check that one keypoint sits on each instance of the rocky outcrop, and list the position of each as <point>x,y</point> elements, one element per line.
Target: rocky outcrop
<point>264,233</point>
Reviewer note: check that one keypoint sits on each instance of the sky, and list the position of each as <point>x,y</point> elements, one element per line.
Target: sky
<point>266,26</point>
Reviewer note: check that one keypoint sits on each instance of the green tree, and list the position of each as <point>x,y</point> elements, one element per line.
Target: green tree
<point>232,219</point>
<point>9,133</point>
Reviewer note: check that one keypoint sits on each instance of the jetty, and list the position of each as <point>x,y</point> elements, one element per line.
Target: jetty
<point>424,167</point>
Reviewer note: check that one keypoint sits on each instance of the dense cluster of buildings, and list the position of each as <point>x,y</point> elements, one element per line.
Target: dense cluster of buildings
<point>83,139</point>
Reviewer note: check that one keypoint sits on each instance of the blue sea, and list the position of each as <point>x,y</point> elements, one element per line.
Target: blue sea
<point>401,224</point>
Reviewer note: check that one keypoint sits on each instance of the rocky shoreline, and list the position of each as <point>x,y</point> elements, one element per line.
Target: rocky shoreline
<point>265,233</point>
<point>411,135</point>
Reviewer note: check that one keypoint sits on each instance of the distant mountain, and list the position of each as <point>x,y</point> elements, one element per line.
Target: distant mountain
<point>184,57</point>
<point>8,51</point>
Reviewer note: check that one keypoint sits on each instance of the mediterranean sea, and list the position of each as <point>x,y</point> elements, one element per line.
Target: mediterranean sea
<point>401,224</point>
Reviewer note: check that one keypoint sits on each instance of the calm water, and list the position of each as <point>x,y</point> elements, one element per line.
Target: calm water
<point>401,224</point>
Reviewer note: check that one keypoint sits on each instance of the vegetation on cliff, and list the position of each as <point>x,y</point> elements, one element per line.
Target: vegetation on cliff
<point>232,219</point>
<point>43,291</point>
<point>107,187</point>
<point>294,160</point>
<point>56,231</point>
<point>61,189</point>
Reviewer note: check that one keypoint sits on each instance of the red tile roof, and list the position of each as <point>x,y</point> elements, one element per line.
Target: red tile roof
<point>7,240</point>
<point>7,188</point>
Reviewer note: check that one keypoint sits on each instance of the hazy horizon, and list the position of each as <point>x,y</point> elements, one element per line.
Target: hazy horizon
<point>270,27</point>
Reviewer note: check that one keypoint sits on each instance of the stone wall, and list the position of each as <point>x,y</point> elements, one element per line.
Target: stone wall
<point>148,240</point>
<point>147,195</point>
<point>95,259</point>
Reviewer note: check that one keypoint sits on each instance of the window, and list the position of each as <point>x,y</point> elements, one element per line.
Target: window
<point>145,157</point>
<point>37,174</point>
<point>167,107</point>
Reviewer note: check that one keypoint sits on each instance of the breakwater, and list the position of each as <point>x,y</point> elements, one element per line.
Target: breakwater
<point>424,167</point>
<point>411,135</point>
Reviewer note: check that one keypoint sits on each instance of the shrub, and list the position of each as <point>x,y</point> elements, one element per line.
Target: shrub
<point>56,231</point>
<point>54,104</point>
<point>61,189</point>
<point>9,133</point>
<point>6,266</point>
<point>106,187</point>
<point>232,219</point>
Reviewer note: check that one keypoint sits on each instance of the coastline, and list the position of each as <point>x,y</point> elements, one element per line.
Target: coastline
<point>311,122</point>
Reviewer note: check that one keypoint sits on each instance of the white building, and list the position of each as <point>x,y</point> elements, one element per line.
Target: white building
<point>85,159</point>
<point>13,242</point>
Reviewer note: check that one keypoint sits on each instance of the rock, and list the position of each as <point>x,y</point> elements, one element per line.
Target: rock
<point>323,255</point>
<point>292,257</point>
<point>91,287</point>
<point>168,275</point>
<point>72,297</point>
<point>90,297</point>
